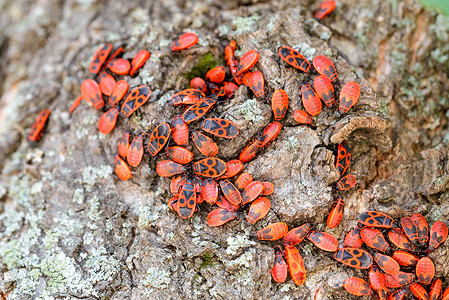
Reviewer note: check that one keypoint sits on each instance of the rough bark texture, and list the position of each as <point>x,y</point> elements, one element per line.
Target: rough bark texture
<point>71,229</point>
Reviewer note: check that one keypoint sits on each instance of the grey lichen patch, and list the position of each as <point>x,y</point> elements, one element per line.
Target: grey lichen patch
<point>292,144</point>
<point>147,215</point>
<point>146,77</point>
<point>101,266</point>
<point>237,242</point>
<point>246,24</point>
<point>91,174</point>
<point>383,109</point>
<point>78,196</point>
<point>94,209</point>
<point>250,111</point>
<point>12,221</point>
<point>155,278</point>
<point>306,50</point>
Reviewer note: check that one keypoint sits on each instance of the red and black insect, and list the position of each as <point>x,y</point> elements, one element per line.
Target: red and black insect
<point>233,167</point>
<point>198,110</point>
<point>400,240</point>
<point>158,138</point>
<point>436,289</point>
<point>336,213</point>
<point>176,184</point>
<point>230,88</point>
<point>135,99</point>
<point>220,127</point>
<point>268,188</point>
<point>373,238</point>
<point>117,53</point>
<point>376,278</point>
<point>325,66</point>
<point>273,232</point>
<point>38,126</point>
<point>258,209</point>
<point>422,228</point>
<point>119,66</point>
<point>179,154</point>
<point>310,100</point>
<point>249,152</point>
<point>168,168</point>
<point>410,229</point>
<point>118,92</point>
<point>419,292</point>
<point>354,257</point>
<point>107,121</point>
<point>216,75</point>
<point>279,104</point>
<point>224,203</point>
<point>294,58</point>
<point>209,190</point>
<point>123,145</point>
<point>90,90</point>
<point>75,104</point>
<point>243,180</point>
<point>256,83</point>
<point>325,8</point>
<point>295,265</point>
<point>397,295</point>
<point>204,144</point>
<point>135,151</point>
<point>246,77</point>
<point>187,199</point>
<point>173,203</point>
<point>296,235</point>
<point>346,182</point>
<point>185,41</point>
<point>220,216</point>
<point>325,90</point>
<point>279,270</point>
<point>209,167</point>
<point>446,294</point>
<point>180,132</point>
<point>139,61</point>
<point>353,239</point>
<point>199,84</point>
<point>122,169</point>
<point>252,191</point>
<point>302,117</point>
<point>375,219</point>
<point>386,263</point>
<point>187,97</point>
<point>425,270</point>
<point>405,258</point>
<point>399,279</point>
<point>438,234</point>
<point>230,192</point>
<point>269,134</point>
<point>106,83</point>
<point>247,61</point>
<point>349,96</point>
<point>343,158</point>
<point>323,240</point>
<point>357,286</point>
<point>99,58</point>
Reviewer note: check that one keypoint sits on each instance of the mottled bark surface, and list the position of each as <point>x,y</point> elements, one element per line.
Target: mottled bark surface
<point>70,229</point>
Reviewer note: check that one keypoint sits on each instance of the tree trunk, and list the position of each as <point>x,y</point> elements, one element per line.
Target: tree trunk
<point>71,229</point>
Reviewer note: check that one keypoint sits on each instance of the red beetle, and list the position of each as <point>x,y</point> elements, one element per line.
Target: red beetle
<point>438,234</point>
<point>119,66</point>
<point>233,167</point>
<point>268,188</point>
<point>373,238</point>
<point>376,278</point>
<point>310,100</point>
<point>187,199</point>
<point>425,270</point>
<point>90,90</point>
<point>99,58</point>
<point>357,286</point>
<point>139,61</point>
<point>405,259</point>
<point>258,209</point>
<point>353,239</point>
<point>243,180</point>
<point>106,82</point>
<point>185,41</point>
<point>436,289</point>
<point>326,67</point>
<point>346,182</point>
<point>252,191</point>
<point>302,117</point>
<point>386,263</point>
<point>220,216</point>
<point>118,92</point>
<point>123,144</point>
<point>323,240</point>
<point>180,132</point>
<point>256,84</point>
<point>336,213</point>
<point>121,168</point>
<point>400,240</point>
<point>168,168</point>
<point>279,104</point>
<point>294,58</point>
<point>107,121</point>
<point>209,167</point>
<point>325,8</point>
<point>399,279</point>
<point>296,235</point>
<point>247,61</point>
<point>204,144</point>
<point>279,270</point>
<point>419,292</point>
<point>269,134</point>
<point>135,151</point>
<point>135,99</point>
<point>349,95</point>
<point>295,265</point>
<point>325,90</point>
<point>38,126</point>
<point>410,229</point>
<point>273,232</point>
<point>179,154</point>
<point>231,192</point>
<point>216,74</point>
<point>354,257</point>
<point>343,158</point>
<point>375,219</point>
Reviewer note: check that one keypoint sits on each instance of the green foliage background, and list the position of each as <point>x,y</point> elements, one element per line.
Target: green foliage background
<point>440,5</point>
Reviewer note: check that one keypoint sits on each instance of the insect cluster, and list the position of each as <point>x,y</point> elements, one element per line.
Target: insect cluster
<point>396,266</point>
